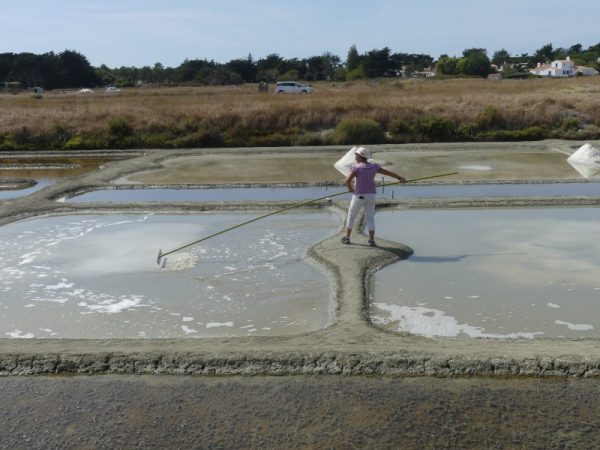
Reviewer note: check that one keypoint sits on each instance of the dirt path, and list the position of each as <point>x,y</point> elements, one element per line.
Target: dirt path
<point>297,412</point>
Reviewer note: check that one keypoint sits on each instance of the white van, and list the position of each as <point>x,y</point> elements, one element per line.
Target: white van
<point>292,87</point>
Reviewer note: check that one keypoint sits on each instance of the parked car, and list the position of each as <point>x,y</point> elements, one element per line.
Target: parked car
<point>292,87</point>
<point>112,89</point>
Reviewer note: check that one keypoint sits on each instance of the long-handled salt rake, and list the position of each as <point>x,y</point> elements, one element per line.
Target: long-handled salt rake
<point>161,259</point>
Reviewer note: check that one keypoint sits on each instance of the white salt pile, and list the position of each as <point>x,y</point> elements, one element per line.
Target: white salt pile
<point>180,261</point>
<point>586,160</point>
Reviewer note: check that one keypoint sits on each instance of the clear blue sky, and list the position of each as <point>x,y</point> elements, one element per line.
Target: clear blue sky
<point>143,32</point>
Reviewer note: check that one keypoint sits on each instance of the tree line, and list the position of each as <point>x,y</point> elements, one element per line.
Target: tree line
<point>71,69</point>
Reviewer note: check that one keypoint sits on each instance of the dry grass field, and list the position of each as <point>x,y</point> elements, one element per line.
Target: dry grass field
<point>372,111</point>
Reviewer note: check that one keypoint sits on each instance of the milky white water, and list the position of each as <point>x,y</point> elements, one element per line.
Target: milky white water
<point>95,276</point>
<point>503,273</point>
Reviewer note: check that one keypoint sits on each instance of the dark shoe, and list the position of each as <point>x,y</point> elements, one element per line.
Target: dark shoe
<point>345,240</point>
<point>372,244</point>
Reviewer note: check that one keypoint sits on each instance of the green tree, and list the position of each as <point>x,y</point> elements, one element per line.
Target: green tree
<point>331,63</point>
<point>500,57</point>
<point>314,64</point>
<point>544,54</point>
<point>475,63</point>
<point>447,65</point>
<point>411,62</point>
<point>192,70</point>
<point>159,72</point>
<point>377,63</point>
<point>271,61</point>
<point>105,75</point>
<point>245,68</point>
<point>76,70</point>
<point>353,58</point>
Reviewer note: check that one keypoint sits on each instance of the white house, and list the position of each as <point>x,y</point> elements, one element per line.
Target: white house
<point>558,68</point>
<point>562,68</point>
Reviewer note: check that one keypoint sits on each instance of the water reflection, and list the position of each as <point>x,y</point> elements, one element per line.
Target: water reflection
<point>307,193</point>
<point>509,273</point>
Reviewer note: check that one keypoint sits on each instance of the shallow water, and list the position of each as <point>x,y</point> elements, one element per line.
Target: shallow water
<point>307,193</point>
<point>43,176</point>
<point>505,273</point>
<point>15,193</point>
<point>95,276</point>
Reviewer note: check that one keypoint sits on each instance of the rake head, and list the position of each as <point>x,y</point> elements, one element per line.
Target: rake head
<point>161,260</point>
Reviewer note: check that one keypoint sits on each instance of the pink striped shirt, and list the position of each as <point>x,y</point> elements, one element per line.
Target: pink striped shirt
<point>365,177</point>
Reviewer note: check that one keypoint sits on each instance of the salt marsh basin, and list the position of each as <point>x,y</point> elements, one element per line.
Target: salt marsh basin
<point>352,344</point>
<point>95,276</point>
<point>494,273</point>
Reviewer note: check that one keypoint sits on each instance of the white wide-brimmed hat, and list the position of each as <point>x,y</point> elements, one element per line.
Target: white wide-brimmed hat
<point>363,152</point>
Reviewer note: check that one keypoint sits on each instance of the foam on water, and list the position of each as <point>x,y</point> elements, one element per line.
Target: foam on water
<point>575,326</point>
<point>20,334</point>
<point>432,322</point>
<point>68,272</point>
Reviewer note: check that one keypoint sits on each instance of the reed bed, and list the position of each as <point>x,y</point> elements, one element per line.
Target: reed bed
<point>403,110</point>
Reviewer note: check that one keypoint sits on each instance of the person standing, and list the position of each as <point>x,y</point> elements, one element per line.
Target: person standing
<point>363,192</point>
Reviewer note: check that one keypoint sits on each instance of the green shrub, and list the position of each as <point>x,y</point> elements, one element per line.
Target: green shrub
<point>188,125</point>
<point>307,139</point>
<point>358,131</point>
<point>434,128</point>
<point>402,130</point>
<point>76,142</point>
<point>270,140</point>
<point>532,133</point>
<point>355,74</point>
<point>7,142</point>
<point>340,74</point>
<point>490,118</point>
<point>201,138</point>
<point>156,140</point>
<point>119,127</point>
<point>22,138</point>
<point>570,124</point>
<point>233,140</point>
<point>291,75</point>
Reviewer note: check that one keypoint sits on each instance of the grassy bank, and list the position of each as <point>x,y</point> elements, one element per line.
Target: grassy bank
<point>386,111</point>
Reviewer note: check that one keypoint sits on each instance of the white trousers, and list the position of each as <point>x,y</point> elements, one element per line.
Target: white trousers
<point>366,201</point>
